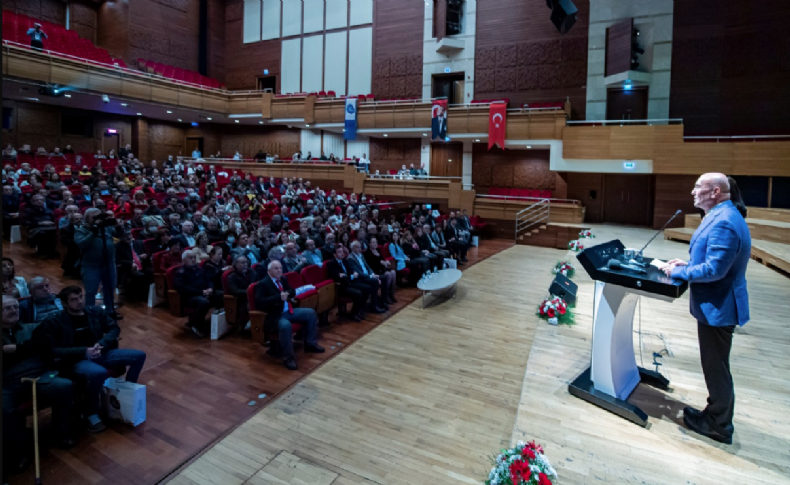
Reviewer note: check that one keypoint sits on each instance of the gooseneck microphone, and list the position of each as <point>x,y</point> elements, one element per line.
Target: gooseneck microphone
<point>639,254</point>
<point>618,265</point>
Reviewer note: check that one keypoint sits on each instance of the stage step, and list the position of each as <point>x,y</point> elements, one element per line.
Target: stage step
<point>772,254</point>
<point>765,229</point>
<point>682,234</point>
<point>551,235</point>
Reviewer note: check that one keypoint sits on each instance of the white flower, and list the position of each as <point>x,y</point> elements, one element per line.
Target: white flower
<point>553,321</point>
<point>520,444</point>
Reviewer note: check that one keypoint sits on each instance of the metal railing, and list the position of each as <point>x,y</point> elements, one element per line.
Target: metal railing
<point>532,216</point>
<point>411,177</point>
<point>658,121</point>
<point>737,138</point>
<point>529,199</point>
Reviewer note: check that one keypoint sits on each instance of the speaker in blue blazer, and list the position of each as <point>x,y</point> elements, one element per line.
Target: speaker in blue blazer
<point>719,253</point>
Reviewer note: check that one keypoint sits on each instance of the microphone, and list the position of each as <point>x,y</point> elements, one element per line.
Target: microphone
<point>638,256</point>
<point>615,264</point>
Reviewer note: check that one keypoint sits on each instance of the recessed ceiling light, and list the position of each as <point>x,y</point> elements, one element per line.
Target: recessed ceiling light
<point>260,122</point>
<point>139,114</point>
<point>208,119</point>
<point>179,119</point>
<point>425,134</point>
<point>124,104</point>
<point>386,134</point>
<point>237,121</point>
<point>67,95</point>
<point>477,140</point>
<point>529,146</point>
<point>449,159</point>
<point>169,112</point>
<point>308,126</point>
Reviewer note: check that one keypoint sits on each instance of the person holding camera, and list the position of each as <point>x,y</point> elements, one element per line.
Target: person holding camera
<point>37,37</point>
<point>95,240</point>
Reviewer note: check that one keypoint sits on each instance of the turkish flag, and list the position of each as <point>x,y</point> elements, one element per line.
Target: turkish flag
<point>497,118</point>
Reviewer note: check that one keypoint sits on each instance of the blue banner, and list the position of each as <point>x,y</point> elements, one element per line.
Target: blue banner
<point>350,133</point>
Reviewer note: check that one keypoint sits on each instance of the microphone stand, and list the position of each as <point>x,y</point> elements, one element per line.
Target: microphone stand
<point>638,258</point>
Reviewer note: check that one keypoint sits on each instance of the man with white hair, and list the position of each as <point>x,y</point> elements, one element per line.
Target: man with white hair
<point>274,296</point>
<point>197,292</point>
<point>720,250</point>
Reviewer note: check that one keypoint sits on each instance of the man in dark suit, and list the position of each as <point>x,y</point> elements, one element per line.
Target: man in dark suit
<point>357,264</point>
<point>720,250</point>
<point>454,241</point>
<point>274,296</point>
<point>328,249</point>
<point>349,284</point>
<point>434,254</point>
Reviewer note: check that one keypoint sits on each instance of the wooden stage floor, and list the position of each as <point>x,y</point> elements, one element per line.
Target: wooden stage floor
<point>427,396</point>
<point>197,390</point>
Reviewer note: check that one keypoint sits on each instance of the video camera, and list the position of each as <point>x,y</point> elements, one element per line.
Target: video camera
<point>105,220</point>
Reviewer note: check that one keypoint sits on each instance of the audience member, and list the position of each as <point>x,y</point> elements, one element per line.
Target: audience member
<point>95,239</point>
<point>13,285</point>
<point>41,227</point>
<point>42,302</point>
<point>276,298</point>
<point>348,283</point>
<point>383,269</point>
<point>197,292</point>
<point>238,281</point>
<point>37,37</point>
<point>83,339</point>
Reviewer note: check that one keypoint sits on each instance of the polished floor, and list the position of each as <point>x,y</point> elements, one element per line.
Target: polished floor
<point>197,390</point>
<point>429,395</point>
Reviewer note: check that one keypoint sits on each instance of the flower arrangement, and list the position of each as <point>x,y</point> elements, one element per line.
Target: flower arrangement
<point>564,268</point>
<point>586,234</point>
<point>576,245</point>
<point>555,311</point>
<point>524,464</point>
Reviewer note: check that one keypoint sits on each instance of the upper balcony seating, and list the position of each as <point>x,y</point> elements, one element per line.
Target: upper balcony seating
<point>504,192</point>
<point>179,74</point>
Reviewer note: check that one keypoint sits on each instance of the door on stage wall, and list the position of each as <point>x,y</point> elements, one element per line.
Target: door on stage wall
<point>626,104</point>
<point>628,199</point>
<point>447,159</point>
<point>193,143</point>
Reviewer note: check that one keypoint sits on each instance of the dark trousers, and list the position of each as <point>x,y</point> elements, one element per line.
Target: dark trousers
<point>305,316</point>
<point>9,222</point>
<point>37,44</point>
<point>358,293</point>
<point>58,392</point>
<point>202,305</point>
<point>714,348</point>
<point>92,373</point>
<point>373,284</point>
<point>92,278</point>
<point>458,248</point>
<point>44,241</point>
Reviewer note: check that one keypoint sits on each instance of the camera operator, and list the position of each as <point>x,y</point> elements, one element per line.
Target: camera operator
<point>95,239</point>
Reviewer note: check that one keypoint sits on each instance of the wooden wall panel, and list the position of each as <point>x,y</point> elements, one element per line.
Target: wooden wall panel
<point>524,169</point>
<point>397,49</point>
<point>520,55</point>
<point>731,67</point>
<point>49,10</point>
<point>216,39</point>
<point>165,31</point>
<point>386,154</point>
<point>618,47</point>
<point>113,28</point>
<point>587,188</point>
<point>244,62</point>
<point>84,20</point>
<point>673,192</point>
<point>248,140</point>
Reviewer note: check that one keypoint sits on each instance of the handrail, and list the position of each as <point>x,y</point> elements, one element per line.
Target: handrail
<point>539,199</point>
<point>626,122</point>
<point>411,177</point>
<point>533,215</point>
<point>9,44</point>
<point>738,137</point>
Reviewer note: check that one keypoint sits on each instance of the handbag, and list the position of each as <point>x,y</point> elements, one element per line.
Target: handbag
<point>16,234</point>
<point>219,325</point>
<point>124,401</point>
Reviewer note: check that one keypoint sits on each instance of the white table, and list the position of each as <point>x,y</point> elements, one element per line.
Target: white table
<point>444,281</point>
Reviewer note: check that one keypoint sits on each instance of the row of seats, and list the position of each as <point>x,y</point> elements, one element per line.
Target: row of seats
<point>502,192</point>
<point>178,74</point>
<point>59,39</point>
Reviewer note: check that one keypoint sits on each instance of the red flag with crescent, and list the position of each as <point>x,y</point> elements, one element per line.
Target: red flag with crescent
<point>497,118</point>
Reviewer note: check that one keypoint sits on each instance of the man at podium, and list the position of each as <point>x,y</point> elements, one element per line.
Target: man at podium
<point>716,272</point>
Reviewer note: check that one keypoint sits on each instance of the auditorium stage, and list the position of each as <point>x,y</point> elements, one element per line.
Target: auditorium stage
<point>428,396</point>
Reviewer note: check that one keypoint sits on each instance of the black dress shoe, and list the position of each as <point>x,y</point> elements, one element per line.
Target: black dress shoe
<point>699,425</point>
<point>314,349</point>
<point>392,300</point>
<point>116,316</point>
<point>289,363</point>
<point>692,412</point>
<point>356,317</point>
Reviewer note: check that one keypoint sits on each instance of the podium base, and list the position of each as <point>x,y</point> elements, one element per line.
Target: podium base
<point>583,388</point>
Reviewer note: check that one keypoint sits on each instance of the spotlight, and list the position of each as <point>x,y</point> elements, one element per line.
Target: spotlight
<point>208,119</point>
<point>124,104</point>
<point>105,98</point>
<point>237,121</point>
<point>169,112</point>
<point>67,95</point>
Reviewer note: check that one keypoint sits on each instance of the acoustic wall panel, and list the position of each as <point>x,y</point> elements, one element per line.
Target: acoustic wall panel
<point>292,17</point>
<point>333,144</point>
<point>361,12</point>
<point>360,59</point>
<point>313,64</point>
<point>313,15</point>
<point>291,66</point>
<point>335,62</point>
<point>252,21</point>
<point>271,19</point>
<point>355,148</point>
<point>336,14</point>
<point>310,141</point>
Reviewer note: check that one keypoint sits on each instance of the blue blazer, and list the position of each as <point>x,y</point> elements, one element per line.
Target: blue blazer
<point>720,250</point>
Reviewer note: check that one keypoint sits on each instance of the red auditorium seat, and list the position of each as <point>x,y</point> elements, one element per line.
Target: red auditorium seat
<point>535,194</point>
<point>546,194</point>
<point>257,319</point>
<point>314,275</point>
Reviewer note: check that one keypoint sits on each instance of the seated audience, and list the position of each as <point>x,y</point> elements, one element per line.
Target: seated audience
<point>173,256</point>
<point>84,341</point>
<point>276,298</point>
<point>292,262</point>
<point>202,247</point>
<point>454,237</point>
<point>246,249</point>
<point>362,272</point>
<point>382,268</point>
<point>13,285</point>
<point>41,228</point>
<point>11,204</point>
<point>348,283</point>
<point>42,302</point>
<point>197,292</point>
<point>238,281</point>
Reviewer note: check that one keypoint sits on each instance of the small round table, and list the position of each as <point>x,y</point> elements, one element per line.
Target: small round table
<point>444,281</point>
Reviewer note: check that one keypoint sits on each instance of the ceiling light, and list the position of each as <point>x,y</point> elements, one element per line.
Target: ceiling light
<point>237,121</point>
<point>308,126</point>
<point>449,159</point>
<point>529,146</point>
<point>124,104</point>
<point>179,119</point>
<point>386,134</point>
<point>139,114</point>
<point>425,134</point>
<point>67,95</point>
<point>56,90</point>
<point>260,122</point>
<point>169,112</point>
<point>477,140</point>
<point>208,119</point>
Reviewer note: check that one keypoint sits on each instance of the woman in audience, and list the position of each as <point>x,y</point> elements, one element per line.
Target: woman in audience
<point>161,240</point>
<point>362,237</point>
<point>202,247</point>
<point>215,266</point>
<point>13,285</point>
<point>110,155</point>
<point>42,152</point>
<point>54,184</point>
<point>384,269</point>
<point>9,153</point>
